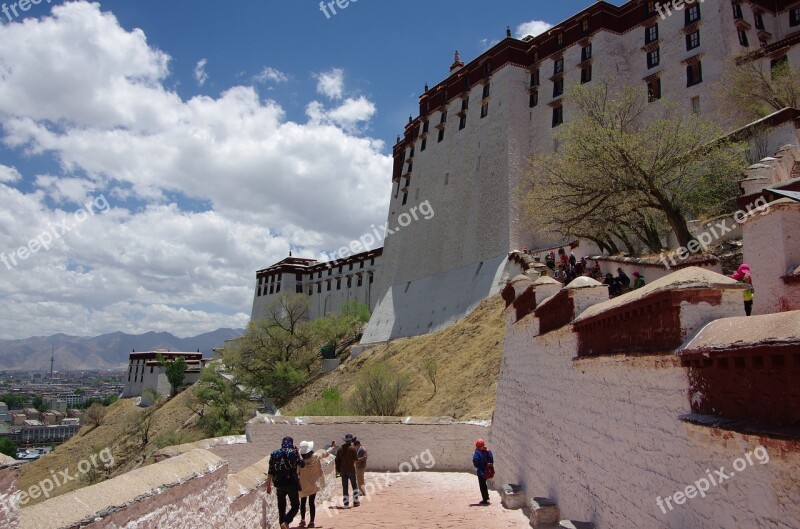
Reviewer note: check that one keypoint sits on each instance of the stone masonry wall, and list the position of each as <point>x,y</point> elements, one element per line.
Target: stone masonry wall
<point>9,510</point>
<point>390,442</point>
<point>601,437</point>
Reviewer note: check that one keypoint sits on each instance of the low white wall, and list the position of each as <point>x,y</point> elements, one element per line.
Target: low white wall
<point>601,437</point>
<point>435,302</point>
<point>9,509</point>
<point>391,442</point>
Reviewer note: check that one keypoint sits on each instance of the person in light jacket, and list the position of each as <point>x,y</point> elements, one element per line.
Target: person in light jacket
<point>361,464</point>
<point>312,478</point>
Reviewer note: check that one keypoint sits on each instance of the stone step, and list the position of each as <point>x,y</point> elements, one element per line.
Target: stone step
<point>512,496</point>
<point>544,513</point>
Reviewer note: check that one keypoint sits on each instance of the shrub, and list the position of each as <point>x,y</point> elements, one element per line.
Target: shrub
<point>331,404</point>
<point>379,390</point>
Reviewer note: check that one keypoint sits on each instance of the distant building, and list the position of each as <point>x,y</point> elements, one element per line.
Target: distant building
<point>145,372</point>
<point>326,284</point>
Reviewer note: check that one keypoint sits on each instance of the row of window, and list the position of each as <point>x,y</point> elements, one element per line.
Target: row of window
<point>462,122</point>
<point>329,287</point>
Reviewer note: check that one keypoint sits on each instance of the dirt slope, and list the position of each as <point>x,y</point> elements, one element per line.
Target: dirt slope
<point>469,354</point>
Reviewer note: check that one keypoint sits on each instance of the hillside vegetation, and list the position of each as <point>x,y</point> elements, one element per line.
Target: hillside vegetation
<point>172,423</point>
<point>467,354</point>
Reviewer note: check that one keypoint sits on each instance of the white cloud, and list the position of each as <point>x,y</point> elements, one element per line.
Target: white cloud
<point>9,174</point>
<point>259,183</point>
<point>269,74</point>
<point>200,74</point>
<point>533,28</point>
<point>331,83</point>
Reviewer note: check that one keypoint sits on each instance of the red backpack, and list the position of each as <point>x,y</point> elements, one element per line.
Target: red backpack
<point>488,471</point>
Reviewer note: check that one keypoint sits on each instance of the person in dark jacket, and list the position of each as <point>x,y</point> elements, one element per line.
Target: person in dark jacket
<point>283,465</point>
<point>346,459</point>
<point>480,460</point>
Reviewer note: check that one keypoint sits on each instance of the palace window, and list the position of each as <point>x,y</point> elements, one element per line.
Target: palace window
<point>486,90</point>
<point>650,8</point>
<point>759,20</point>
<point>794,17</point>
<point>298,289</point>
<point>693,40</point>
<point>310,291</point>
<point>338,283</point>
<point>585,26</point>
<point>651,34</point>
<point>692,14</point>
<point>329,285</point>
<point>737,11</point>
<point>350,266</point>
<point>361,264</point>
<point>654,90</point>
<point>424,144</point>
<point>696,104</point>
<point>425,126</point>
<point>319,288</point>
<point>558,87</point>
<point>558,115</point>
<point>444,117</point>
<point>299,277</point>
<point>653,58</point>
<point>319,275</point>
<point>534,99</point>
<point>484,110</point>
<point>359,281</point>
<point>586,52</point>
<point>694,74</point>
<point>743,38</point>
<point>464,105</point>
<point>405,197</point>
<point>558,66</point>
<point>586,74</point>
<point>349,282</point>
<point>372,261</point>
<point>535,78</point>
<point>462,122</point>
<point>441,137</point>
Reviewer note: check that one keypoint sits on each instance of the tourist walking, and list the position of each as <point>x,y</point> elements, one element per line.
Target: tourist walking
<point>283,465</point>
<point>483,460</point>
<point>743,276</point>
<point>346,467</point>
<point>361,464</point>
<point>312,479</point>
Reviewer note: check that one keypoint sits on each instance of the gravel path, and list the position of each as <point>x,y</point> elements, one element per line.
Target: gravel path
<point>422,500</point>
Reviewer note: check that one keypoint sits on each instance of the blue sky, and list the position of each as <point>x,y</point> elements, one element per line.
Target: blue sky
<point>202,140</point>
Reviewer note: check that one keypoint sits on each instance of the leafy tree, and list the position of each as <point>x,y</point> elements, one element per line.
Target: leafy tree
<point>140,424</point>
<point>8,447</point>
<point>752,87</point>
<point>224,407</point>
<point>626,169</point>
<point>379,390</point>
<point>15,402</point>
<point>38,403</point>
<point>175,371</point>
<point>341,330</point>
<point>431,366</point>
<point>275,354</point>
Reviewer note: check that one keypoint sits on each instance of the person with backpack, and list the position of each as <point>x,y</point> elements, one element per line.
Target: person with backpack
<point>483,460</point>
<point>742,275</point>
<point>312,478</point>
<point>283,465</point>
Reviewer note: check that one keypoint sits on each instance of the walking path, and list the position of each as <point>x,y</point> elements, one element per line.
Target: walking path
<point>421,500</point>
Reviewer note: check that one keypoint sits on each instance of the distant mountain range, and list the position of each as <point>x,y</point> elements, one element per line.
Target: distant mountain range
<point>109,351</point>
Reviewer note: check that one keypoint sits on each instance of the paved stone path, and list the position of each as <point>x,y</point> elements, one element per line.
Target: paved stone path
<point>422,500</point>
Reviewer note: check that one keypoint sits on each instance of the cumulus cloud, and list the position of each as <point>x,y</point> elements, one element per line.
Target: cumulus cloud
<point>331,83</point>
<point>271,75</point>
<point>204,191</point>
<point>200,74</point>
<point>532,28</point>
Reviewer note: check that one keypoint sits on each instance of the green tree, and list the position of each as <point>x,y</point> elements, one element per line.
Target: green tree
<point>8,447</point>
<point>331,404</point>
<point>223,407</point>
<point>626,169</point>
<point>275,354</point>
<point>15,402</point>
<point>379,390</point>
<point>38,403</point>
<point>175,371</point>
<point>753,87</point>
<point>342,329</point>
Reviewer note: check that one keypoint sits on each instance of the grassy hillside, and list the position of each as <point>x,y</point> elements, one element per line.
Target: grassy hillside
<point>469,355</point>
<point>173,423</point>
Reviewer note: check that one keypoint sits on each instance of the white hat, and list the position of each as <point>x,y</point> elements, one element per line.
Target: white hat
<point>306,447</point>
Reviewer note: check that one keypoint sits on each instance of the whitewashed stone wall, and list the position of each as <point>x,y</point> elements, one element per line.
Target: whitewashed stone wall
<point>601,437</point>
<point>391,442</point>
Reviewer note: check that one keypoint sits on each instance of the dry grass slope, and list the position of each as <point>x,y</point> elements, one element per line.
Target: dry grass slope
<point>171,417</point>
<point>469,355</point>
